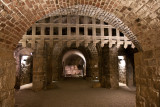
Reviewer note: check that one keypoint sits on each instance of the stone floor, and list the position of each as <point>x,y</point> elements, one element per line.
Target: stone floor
<point>76,93</point>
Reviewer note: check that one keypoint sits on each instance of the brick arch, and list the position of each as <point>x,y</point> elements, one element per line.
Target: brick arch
<point>58,48</point>
<point>17,16</point>
<point>98,13</point>
<point>64,49</point>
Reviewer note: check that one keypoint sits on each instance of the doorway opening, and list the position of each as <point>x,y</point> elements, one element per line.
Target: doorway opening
<point>74,64</point>
<point>24,67</point>
<point>122,70</point>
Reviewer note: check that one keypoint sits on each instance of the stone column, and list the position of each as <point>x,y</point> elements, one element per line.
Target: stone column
<point>18,68</point>
<point>38,70</point>
<point>7,78</point>
<point>109,73</point>
<point>129,71</point>
<point>94,68</point>
<point>95,71</point>
<point>113,67</point>
<point>105,81</point>
<point>55,75</point>
<point>48,53</point>
<point>49,72</point>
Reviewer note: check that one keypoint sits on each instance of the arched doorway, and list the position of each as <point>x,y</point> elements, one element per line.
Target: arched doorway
<point>24,66</point>
<point>74,64</point>
<point>10,9</point>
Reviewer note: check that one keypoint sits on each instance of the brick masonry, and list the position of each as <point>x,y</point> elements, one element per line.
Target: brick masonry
<point>7,78</point>
<point>141,16</point>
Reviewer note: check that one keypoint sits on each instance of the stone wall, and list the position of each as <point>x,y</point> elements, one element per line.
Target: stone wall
<point>39,70</point>
<point>109,72</point>
<point>140,15</point>
<point>7,78</point>
<point>140,12</point>
<point>147,78</point>
<point>147,70</point>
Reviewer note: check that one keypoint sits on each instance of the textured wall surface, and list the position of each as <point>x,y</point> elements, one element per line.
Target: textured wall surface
<point>141,16</point>
<point>7,78</point>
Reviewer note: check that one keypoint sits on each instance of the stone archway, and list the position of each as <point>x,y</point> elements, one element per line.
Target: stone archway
<point>90,10</point>
<point>88,57</point>
<point>19,52</point>
<point>80,70</point>
<point>111,19</point>
<point>17,18</point>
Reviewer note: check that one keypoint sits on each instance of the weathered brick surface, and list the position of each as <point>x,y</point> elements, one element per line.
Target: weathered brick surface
<point>7,78</point>
<point>16,13</point>
<point>109,63</point>
<point>141,16</point>
<point>147,79</point>
<point>38,71</point>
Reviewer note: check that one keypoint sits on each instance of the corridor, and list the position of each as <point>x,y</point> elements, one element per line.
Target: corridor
<point>76,93</point>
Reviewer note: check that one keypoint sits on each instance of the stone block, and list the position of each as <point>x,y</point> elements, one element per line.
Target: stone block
<point>144,91</point>
<point>154,95</point>
<point>156,83</point>
<point>140,71</point>
<point>150,71</point>
<point>38,85</point>
<point>148,54</point>
<point>152,62</point>
<point>157,52</point>
<point>114,81</point>
<point>138,59</point>
<point>157,72</point>
<point>143,81</point>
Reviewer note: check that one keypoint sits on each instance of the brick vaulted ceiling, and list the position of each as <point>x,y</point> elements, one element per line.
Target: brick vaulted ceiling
<point>16,16</point>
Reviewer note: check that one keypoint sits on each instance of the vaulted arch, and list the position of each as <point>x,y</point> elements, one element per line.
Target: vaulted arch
<point>140,17</point>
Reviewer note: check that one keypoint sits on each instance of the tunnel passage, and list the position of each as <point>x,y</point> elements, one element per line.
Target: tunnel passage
<point>141,16</point>
<point>74,64</point>
<point>24,66</point>
<point>66,46</point>
<point>84,56</point>
<point>50,37</point>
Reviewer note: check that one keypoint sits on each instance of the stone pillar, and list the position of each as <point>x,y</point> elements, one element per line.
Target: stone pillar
<point>129,71</point>
<point>48,53</point>
<point>95,72</point>
<point>109,73</point>
<point>18,68</point>
<point>49,69</point>
<point>94,68</point>
<point>7,78</point>
<point>104,79</point>
<point>38,70</point>
<point>55,73</point>
<point>113,67</point>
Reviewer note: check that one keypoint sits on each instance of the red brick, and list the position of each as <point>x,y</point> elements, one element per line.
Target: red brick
<point>2,25</point>
<point>6,1</point>
<point>28,4</point>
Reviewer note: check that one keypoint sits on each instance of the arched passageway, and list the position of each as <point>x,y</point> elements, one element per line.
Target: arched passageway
<point>141,17</point>
<point>71,50</point>
<point>74,64</point>
<point>24,66</point>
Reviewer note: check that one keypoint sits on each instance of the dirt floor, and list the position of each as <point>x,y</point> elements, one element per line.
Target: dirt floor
<point>76,93</point>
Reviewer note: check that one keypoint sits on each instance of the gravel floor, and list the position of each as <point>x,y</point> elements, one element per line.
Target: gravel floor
<point>76,93</point>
